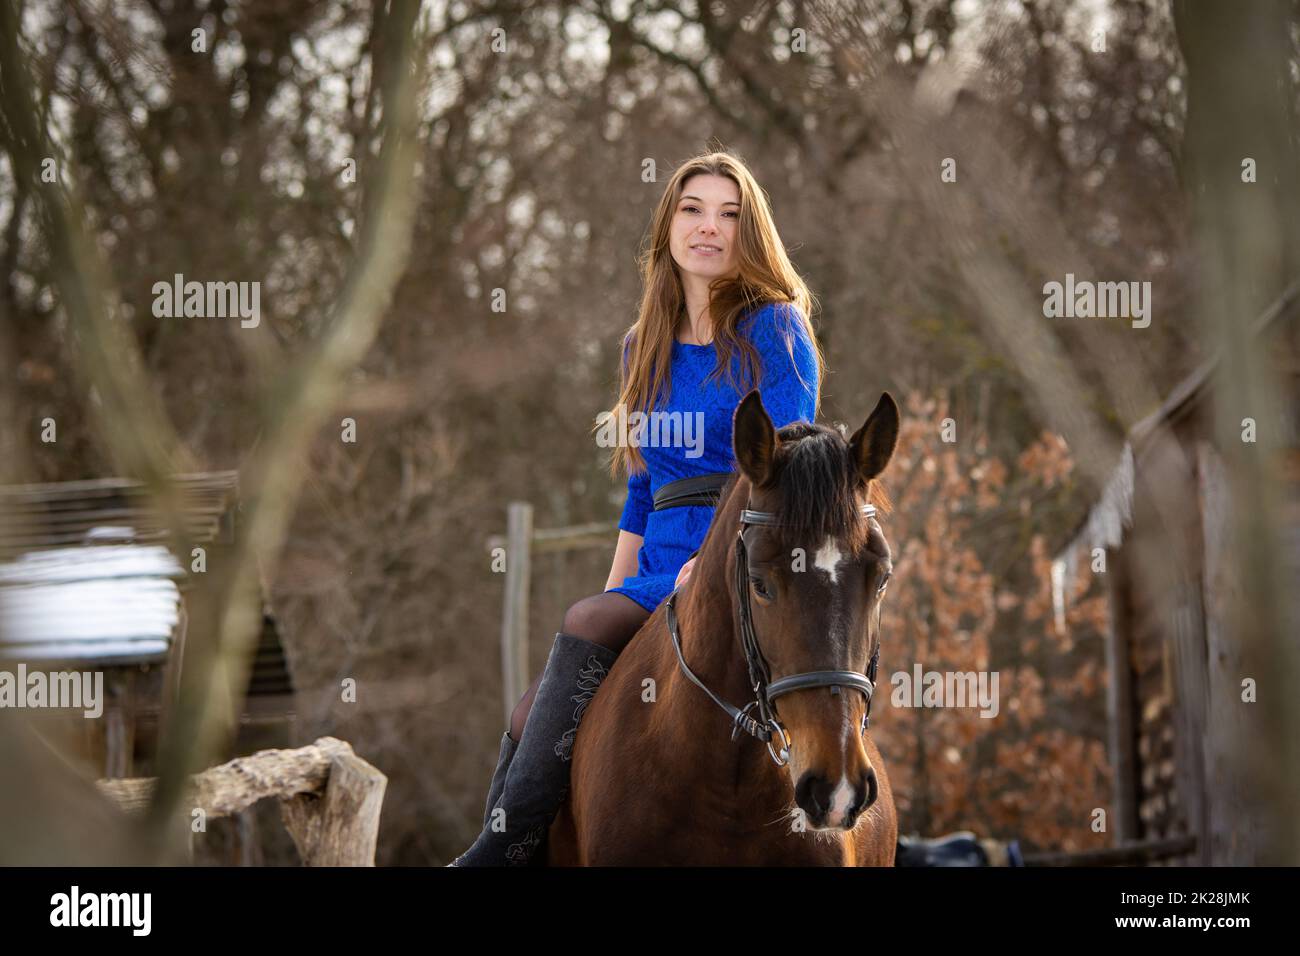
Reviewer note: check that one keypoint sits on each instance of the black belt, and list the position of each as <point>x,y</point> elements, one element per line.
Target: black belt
<point>703,490</point>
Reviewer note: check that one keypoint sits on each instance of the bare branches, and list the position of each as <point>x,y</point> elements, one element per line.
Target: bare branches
<point>275,472</point>
<point>139,433</point>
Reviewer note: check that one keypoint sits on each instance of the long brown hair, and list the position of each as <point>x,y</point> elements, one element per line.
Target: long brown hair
<point>765,274</point>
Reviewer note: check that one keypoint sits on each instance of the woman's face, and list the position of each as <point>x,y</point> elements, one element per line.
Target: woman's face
<point>702,237</point>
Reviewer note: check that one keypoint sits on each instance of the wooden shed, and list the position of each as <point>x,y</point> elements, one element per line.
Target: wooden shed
<point>1161,524</point>
<point>88,584</point>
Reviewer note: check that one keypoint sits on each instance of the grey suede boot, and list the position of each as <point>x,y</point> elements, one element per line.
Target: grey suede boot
<point>537,779</point>
<point>508,747</point>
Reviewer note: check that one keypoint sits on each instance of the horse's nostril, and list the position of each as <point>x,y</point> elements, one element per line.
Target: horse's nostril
<point>869,790</point>
<point>871,787</point>
<point>813,794</point>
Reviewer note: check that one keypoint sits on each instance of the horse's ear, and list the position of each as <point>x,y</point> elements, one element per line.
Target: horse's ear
<point>872,445</point>
<point>754,440</point>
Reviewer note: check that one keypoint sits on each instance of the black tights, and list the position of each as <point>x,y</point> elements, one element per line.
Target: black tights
<point>609,619</point>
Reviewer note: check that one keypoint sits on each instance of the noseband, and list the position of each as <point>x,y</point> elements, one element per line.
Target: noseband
<point>766,726</point>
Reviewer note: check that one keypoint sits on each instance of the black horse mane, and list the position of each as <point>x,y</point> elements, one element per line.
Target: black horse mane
<point>816,478</point>
<point>814,490</point>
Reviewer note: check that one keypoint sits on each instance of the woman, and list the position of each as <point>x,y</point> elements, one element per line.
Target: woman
<point>722,310</point>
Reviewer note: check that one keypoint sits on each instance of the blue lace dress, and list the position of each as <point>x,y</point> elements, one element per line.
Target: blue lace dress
<point>788,386</point>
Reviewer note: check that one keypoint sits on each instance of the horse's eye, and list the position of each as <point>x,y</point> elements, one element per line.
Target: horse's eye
<point>759,588</point>
<point>883,582</point>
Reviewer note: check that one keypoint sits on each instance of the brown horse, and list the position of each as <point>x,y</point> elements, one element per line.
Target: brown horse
<point>657,779</point>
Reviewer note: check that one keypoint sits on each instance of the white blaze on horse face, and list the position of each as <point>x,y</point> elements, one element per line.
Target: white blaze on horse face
<point>828,559</point>
<point>841,799</point>
<point>842,795</point>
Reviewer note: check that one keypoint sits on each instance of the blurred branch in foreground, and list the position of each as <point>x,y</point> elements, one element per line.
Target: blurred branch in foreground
<point>1240,159</point>
<point>226,616</point>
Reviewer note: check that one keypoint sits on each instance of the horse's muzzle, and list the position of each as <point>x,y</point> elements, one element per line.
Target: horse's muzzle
<point>835,804</point>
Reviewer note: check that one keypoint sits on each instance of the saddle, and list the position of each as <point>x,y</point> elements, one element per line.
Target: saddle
<point>962,848</point>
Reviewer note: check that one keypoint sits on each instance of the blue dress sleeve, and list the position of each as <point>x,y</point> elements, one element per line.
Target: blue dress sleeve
<point>789,381</point>
<point>639,504</point>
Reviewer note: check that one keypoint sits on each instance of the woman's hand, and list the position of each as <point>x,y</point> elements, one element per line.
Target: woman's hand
<point>685,572</point>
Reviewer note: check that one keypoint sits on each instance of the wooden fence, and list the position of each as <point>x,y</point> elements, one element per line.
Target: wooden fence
<point>520,542</point>
<point>330,798</point>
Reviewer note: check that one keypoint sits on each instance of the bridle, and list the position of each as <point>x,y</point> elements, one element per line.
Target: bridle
<point>766,726</point>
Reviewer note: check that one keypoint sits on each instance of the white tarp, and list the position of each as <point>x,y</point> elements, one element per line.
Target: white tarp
<point>98,601</point>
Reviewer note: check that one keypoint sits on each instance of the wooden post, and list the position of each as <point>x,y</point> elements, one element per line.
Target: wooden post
<point>1231,818</point>
<point>514,622</point>
<point>1191,690</point>
<point>1119,699</point>
<point>119,724</point>
<point>247,848</point>
<point>342,827</point>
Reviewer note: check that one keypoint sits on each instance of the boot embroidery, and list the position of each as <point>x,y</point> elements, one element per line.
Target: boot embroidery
<point>589,679</point>
<point>518,854</point>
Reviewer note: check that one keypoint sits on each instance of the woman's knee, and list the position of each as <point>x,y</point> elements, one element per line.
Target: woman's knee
<point>603,622</point>
<point>585,619</point>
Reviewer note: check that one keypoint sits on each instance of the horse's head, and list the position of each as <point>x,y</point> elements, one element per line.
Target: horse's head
<point>816,581</point>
